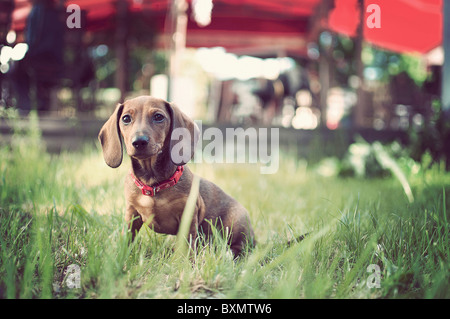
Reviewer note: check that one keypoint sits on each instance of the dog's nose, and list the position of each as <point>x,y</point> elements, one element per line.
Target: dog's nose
<point>140,141</point>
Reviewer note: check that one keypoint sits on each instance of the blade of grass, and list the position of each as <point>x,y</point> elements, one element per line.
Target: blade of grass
<point>444,209</point>
<point>181,246</point>
<point>389,163</point>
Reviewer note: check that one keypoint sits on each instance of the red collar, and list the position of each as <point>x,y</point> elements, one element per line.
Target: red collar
<point>153,190</point>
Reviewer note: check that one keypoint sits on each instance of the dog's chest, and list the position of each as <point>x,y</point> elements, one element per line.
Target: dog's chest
<point>145,202</point>
<point>163,214</point>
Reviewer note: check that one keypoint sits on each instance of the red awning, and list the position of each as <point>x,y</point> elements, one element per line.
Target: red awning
<point>234,24</point>
<point>406,25</point>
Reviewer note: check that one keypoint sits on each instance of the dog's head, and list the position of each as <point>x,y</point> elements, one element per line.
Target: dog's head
<point>148,127</point>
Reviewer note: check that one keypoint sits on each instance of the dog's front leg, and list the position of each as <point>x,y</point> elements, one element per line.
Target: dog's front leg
<point>193,233</point>
<point>197,219</point>
<point>133,220</point>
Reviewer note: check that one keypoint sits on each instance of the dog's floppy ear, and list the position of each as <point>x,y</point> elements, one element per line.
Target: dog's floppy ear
<point>111,140</point>
<point>184,136</point>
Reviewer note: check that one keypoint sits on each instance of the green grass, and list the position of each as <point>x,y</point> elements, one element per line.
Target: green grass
<point>56,211</point>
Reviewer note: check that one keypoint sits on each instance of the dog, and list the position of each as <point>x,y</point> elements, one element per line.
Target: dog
<point>158,185</point>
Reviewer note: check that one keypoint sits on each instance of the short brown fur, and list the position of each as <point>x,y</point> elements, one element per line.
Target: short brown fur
<point>152,163</point>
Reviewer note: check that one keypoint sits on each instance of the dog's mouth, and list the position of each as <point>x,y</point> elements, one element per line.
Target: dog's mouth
<point>145,153</point>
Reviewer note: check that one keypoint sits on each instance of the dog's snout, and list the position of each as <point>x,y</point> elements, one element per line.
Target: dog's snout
<point>140,141</point>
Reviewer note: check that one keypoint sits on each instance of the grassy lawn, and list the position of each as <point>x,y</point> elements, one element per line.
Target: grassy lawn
<point>58,211</point>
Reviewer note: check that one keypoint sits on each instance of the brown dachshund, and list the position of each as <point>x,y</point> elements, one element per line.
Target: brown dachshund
<point>158,185</point>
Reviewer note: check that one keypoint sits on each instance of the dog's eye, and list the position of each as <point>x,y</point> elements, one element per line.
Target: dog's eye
<point>158,118</point>
<point>126,119</point>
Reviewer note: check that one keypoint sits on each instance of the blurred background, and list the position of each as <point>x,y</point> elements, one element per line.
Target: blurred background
<point>323,71</point>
